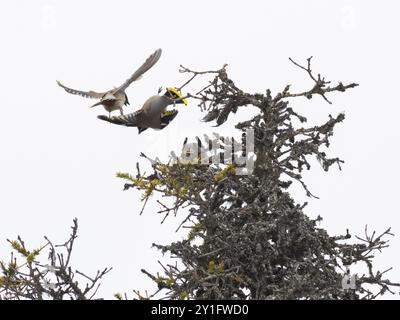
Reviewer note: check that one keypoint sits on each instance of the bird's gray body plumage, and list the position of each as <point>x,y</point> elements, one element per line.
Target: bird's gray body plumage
<point>151,115</point>
<point>116,98</point>
<point>152,110</point>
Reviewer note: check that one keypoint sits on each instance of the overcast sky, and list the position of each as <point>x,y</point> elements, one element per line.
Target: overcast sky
<point>59,162</point>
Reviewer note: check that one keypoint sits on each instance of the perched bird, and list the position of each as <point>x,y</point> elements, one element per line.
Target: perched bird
<point>116,98</point>
<point>153,114</point>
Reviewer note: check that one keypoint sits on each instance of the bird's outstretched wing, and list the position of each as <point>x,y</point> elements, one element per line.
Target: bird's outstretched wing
<point>151,61</point>
<point>128,120</point>
<point>86,94</point>
<point>134,119</point>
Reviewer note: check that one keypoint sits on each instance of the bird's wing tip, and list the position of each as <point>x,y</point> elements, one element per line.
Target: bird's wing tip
<point>157,53</point>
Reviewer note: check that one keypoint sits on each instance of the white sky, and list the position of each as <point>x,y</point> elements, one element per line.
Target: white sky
<point>59,162</point>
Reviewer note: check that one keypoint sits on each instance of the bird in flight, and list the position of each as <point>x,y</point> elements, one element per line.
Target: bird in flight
<point>116,98</point>
<point>153,113</point>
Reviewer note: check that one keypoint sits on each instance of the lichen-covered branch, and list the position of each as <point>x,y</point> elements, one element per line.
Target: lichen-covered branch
<point>33,277</point>
<point>247,237</point>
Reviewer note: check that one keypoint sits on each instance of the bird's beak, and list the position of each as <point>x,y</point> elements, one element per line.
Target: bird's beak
<point>178,101</point>
<point>179,95</point>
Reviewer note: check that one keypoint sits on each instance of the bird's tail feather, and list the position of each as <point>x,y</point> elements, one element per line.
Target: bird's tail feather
<point>96,104</point>
<point>104,118</point>
<point>141,129</point>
